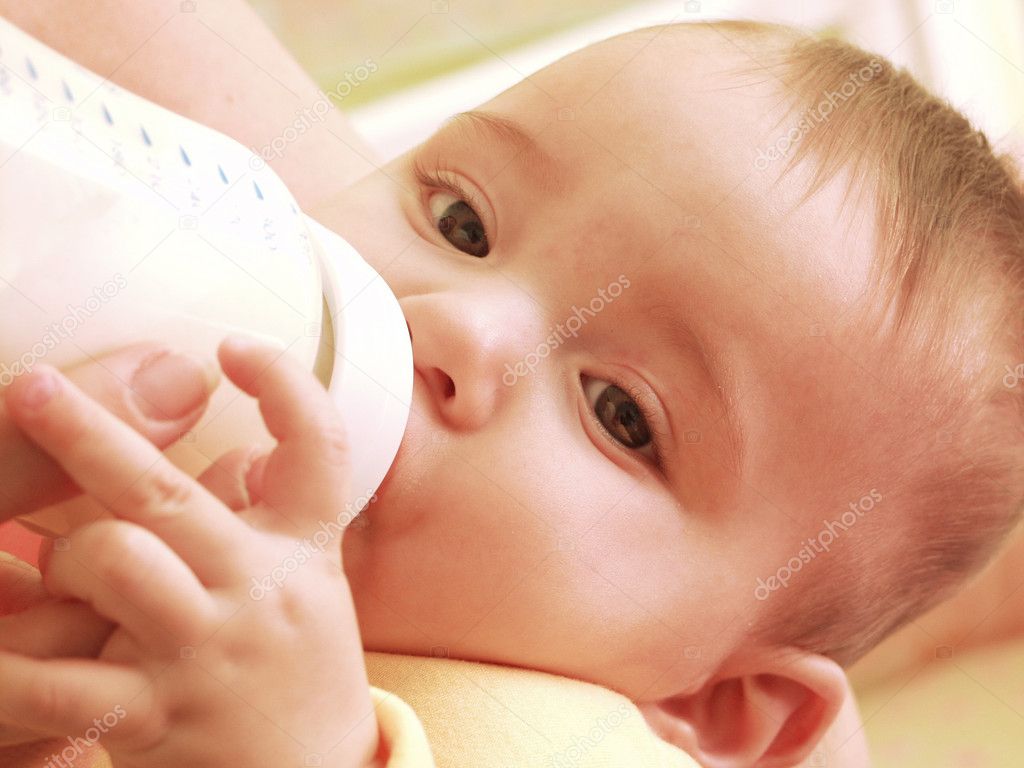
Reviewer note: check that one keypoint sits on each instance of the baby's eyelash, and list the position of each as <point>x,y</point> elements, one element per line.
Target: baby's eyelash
<point>440,177</point>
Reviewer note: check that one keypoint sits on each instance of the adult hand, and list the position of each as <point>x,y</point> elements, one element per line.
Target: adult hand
<point>159,393</point>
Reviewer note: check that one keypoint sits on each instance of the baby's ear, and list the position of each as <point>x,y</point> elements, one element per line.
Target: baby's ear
<point>768,708</point>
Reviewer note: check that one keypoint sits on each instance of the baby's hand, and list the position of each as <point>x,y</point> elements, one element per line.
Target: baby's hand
<point>201,669</point>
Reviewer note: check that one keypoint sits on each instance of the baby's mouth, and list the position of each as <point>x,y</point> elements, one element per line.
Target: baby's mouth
<point>417,427</point>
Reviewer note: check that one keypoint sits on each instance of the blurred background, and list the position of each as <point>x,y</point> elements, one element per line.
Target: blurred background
<point>435,57</point>
<point>948,690</point>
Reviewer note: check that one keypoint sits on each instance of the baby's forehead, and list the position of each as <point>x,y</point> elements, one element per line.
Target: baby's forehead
<point>674,82</point>
<point>679,109</point>
<point>691,153</point>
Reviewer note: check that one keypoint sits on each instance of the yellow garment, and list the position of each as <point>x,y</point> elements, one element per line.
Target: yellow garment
<point>489,715</point>
<point>400,732</point>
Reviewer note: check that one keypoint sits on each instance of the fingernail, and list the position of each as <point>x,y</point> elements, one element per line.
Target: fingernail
<point>169,385</point>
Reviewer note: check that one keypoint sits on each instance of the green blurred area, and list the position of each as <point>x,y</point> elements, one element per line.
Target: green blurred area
<point>411,41</point>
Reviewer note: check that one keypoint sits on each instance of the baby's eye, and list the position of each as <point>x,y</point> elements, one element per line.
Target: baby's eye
<point>618,413</point>
<point>459,223</point>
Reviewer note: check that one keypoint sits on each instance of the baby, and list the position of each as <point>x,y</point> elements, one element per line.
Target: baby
<point>709,325</point>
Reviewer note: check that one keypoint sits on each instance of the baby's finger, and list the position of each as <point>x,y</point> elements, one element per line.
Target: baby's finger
<point>307,475</point>
<point>123,471</point>
<point>61,696</point>
<point>64,628</point>
<point>227,478</point>
<point>132,578</point>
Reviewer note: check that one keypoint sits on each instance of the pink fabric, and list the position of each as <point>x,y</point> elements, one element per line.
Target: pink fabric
<point>20,542</point>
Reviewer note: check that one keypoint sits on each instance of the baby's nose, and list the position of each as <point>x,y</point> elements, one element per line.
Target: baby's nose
<point>460,350</point>
<point>458,380</point>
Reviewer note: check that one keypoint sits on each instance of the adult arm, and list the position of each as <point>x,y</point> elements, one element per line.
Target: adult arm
<point>215,62</point>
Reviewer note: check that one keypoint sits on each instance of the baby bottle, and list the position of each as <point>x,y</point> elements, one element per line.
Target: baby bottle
<point>121,222</point>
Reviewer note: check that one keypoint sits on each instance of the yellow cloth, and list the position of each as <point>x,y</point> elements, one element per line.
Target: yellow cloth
<point>489,715</point>
<point>400,731</point>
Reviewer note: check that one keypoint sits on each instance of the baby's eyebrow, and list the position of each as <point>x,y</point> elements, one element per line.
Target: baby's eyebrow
<point>509,133</point>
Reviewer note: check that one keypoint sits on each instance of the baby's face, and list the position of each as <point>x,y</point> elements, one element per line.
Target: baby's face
<point>630,400</point>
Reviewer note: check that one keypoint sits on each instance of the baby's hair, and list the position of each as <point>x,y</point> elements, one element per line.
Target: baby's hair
<point>950,272</point>
<point>950,266</point>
